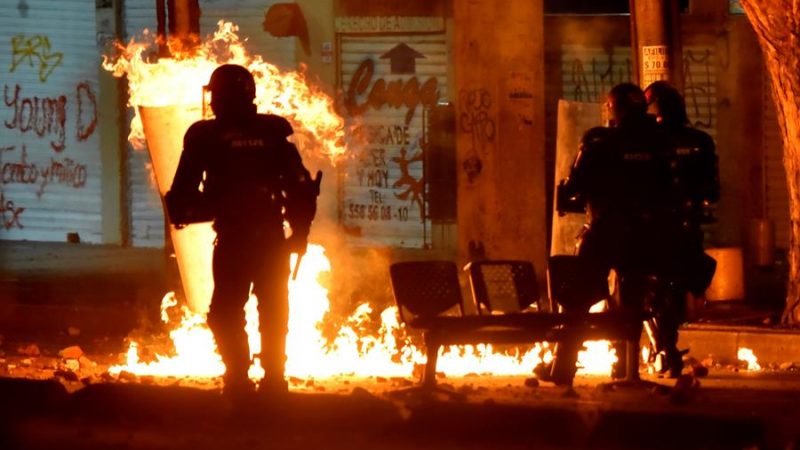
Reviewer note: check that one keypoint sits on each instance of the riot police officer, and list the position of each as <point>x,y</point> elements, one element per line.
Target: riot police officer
<point>240,169</point>
<point>621,178</point>
<point>695,186</point>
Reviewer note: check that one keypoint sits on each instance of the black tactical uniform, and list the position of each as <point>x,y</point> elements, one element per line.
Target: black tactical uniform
<point>695,185</point>
<point>621,177</point>
<point>240,169</point>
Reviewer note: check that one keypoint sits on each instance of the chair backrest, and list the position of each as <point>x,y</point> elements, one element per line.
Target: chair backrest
<point>425,288</point>
<point>503,285</point>
<point>575,284</point>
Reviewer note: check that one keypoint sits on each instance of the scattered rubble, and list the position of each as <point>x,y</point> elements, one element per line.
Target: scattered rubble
<point>128,376</point>
<point>466,389</point>
<point>72,365</point>
<point>107,377</point>
<point>531,382</point>
<point>86,363</point>
<point>66,375</point>
<point>29,350</point>
<point>72,352</point>
<point>402,382</point>
<point>360,392</point>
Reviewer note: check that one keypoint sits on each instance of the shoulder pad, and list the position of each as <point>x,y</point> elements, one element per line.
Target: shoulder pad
<point>277,124</point>
<point>700,136</point>
<point>199,128</point>
<point>595,136</point>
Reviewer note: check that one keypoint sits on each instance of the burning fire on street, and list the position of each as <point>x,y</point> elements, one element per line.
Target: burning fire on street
<point>310,354</point>
<point>747,356</point>
<point>170,89</point>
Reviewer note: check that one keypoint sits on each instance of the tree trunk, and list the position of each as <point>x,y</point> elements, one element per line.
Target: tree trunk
<point>777,25</point>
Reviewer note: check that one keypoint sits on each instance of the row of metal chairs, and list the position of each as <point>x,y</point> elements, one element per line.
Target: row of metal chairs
<point>507,306</point>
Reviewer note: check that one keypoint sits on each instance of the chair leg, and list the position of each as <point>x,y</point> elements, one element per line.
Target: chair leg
<point>632,379</point>
<point>429,375</point>
<point>427,384</point>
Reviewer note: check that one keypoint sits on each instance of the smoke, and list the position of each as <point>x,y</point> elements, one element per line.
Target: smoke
<point>359,275</point>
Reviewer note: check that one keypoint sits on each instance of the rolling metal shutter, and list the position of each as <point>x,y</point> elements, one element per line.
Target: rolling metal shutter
<point>588,73</point>
<point>147,218</point>
<point>49,140</point>
<point>700,87</point>
<point>384,188</point>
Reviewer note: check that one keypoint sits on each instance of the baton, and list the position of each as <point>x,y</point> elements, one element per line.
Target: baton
<point>297,265</point>
<point>317,182</point>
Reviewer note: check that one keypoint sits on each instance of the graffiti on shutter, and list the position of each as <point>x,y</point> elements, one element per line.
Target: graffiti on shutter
<point>50,172</point>
<point>387,83</point>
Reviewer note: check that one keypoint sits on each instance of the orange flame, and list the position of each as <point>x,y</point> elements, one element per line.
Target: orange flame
<point>310,354</point>
<point>745,354</point>
<point>179,81</point>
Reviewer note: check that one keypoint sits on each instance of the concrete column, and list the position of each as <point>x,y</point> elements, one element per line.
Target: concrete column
<point>499,57</point>
<point>656,43</point>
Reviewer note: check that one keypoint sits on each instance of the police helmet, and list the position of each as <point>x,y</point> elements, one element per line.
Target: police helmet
<point>232,83</point>
<point>666,103</point>
<point>626,100</point>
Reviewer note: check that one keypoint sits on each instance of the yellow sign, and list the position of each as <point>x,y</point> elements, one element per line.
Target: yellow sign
<point>655,64</point>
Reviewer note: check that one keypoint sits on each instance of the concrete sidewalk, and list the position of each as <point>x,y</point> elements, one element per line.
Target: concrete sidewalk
<point>771,345</point>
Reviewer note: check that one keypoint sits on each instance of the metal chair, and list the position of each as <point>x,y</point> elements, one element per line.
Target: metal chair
<point>424,291</point>
<point>504,286</point>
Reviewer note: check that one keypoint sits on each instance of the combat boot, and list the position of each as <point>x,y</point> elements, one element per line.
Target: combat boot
<point>238,389</point>
<point>273,387</point>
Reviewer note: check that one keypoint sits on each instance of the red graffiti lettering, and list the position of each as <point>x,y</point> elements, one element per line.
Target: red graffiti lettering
<point>87,111</point>
<point>10,213</point>
<point>45,116</point>
<point>65,172</point>
<point>395,93</point>
<point>18,172</point>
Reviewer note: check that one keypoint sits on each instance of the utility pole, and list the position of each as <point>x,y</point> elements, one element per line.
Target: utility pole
<point>656,42</point>
<point>500,130</point>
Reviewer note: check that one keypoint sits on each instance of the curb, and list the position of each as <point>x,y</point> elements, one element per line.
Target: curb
<point>722,343</point>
